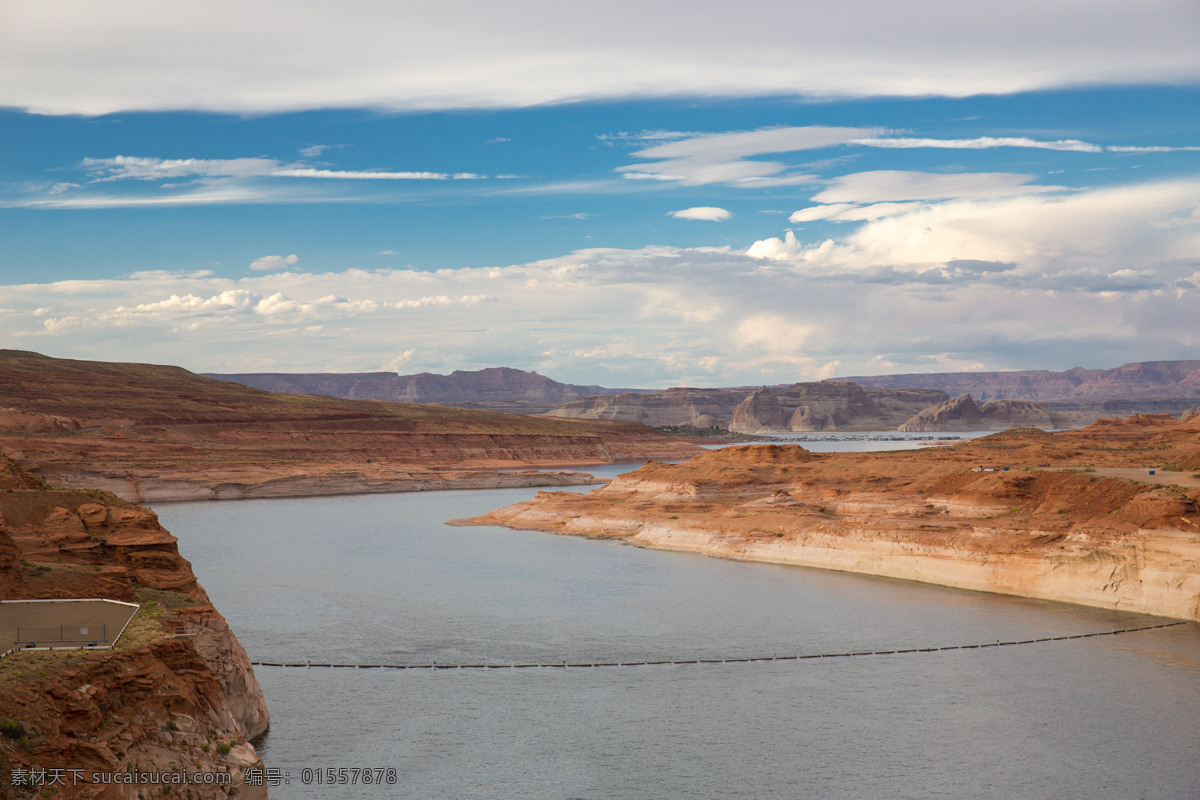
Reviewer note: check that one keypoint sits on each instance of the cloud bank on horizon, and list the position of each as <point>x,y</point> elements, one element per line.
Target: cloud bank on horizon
<point>897,189</point>
<point>78,57</point>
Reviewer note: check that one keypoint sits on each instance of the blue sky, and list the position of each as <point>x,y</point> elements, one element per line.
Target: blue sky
<point>679,195</point>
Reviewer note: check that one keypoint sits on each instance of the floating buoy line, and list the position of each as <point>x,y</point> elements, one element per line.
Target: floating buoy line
<point>685,661</point>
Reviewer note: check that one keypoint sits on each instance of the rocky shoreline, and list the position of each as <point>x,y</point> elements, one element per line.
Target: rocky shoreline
<point>1036,521</point>
<point>156,489</point>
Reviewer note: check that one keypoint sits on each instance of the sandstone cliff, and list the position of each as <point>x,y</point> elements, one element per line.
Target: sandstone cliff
<point>159,433</point>
<point>156,702</point>
<point>1023,512</point>
<point>825,405</point>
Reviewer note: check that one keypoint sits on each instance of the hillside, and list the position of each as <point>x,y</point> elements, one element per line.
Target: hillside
<point>149,432</point>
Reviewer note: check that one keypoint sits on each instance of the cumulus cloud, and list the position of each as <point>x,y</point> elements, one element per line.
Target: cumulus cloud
<point>1095,231</point>
<point>706,213</point>
<point>273,263</point>
<point>92,58</point>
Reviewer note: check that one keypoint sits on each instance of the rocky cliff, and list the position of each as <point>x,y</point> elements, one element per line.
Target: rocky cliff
<point>177,693</point>
<point>824,405</point>
<point>152,432</point>
<point>494,389</point>
<point>1072,516</point>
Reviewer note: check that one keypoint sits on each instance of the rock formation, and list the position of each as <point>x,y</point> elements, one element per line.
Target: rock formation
<point>151,432</point>
<point>1073,516</point>
<point>963,414</point>
<point>157,702</point>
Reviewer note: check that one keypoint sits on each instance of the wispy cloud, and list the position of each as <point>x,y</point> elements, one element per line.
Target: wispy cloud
<point>362,175</point>
<point>199,181</point>
<point>980,143</point>
<point>701,159</point>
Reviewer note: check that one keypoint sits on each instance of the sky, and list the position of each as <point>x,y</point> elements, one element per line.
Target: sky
<point>643,194</point>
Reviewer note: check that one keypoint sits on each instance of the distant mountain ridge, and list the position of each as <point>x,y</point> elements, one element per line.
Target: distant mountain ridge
<point>1040,398</point>
<point>494,389</point>
<point>1146,380</point>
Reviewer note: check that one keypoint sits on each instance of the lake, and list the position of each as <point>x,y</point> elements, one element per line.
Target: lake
<point>379,579</point>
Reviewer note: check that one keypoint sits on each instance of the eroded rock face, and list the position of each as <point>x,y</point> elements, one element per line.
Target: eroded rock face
<point>167,704</point>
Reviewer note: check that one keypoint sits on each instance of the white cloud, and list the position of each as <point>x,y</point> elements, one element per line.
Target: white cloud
<point>119,168</point>
<point>978,277</point>
<point>273,263</point>
<point>1097,230</point>
<point>1153,149</point>
<point>198,181</point>
<point>982,143</point>
<point>84,57</point>
<point>706,213</point>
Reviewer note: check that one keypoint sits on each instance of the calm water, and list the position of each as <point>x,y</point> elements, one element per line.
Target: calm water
<point>380,579</point>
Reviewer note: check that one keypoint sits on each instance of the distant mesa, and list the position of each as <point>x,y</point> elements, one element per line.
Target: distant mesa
<point>493,389</point>
<point>1147,380</point>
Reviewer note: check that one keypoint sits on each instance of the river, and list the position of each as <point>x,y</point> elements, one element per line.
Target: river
<point>379,579</point>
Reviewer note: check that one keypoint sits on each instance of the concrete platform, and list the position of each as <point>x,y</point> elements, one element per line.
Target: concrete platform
<point>63,623</point>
